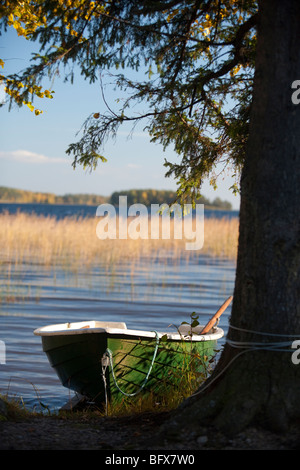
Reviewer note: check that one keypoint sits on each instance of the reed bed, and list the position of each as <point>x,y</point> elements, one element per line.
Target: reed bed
<point>72,243</point>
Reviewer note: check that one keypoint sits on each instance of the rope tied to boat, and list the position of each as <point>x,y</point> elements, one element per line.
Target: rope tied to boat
<point>280,346</point>
<point>108,355</point>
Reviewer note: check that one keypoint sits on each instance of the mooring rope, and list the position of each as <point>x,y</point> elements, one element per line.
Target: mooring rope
<point>249,346</point>
<point>280,346</point>
<point>108,354</point>
<point>104,364</point>
<point>263,332</point>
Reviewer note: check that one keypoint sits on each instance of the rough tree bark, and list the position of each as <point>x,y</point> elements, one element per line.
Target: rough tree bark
<point>262,386</point>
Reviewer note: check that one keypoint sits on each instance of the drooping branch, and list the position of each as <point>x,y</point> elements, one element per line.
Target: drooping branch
<point>197,48</point>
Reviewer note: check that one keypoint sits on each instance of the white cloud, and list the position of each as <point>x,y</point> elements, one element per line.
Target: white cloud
<point>133,165</point>
<point>25,156</point>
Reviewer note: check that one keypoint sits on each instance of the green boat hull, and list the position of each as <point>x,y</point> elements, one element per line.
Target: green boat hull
<point>104,361</point>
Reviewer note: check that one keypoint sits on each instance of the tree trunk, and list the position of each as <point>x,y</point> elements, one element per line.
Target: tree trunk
<point>261,386</point>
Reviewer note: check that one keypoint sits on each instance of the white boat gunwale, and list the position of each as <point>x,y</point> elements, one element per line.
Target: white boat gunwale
<point>120,328</point>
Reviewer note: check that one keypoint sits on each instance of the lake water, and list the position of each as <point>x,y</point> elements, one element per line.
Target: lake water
<point>150,298</point>
<point>66,210</point>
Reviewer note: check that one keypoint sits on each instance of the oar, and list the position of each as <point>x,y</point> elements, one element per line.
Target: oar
<point>213,320</point>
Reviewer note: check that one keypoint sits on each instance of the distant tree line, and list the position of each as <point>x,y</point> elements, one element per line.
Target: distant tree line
<point>154,196</point>
<point>134,196</point>
<point>22,196</point>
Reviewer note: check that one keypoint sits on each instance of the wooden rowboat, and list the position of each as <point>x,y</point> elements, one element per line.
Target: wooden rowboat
<point>104,360</point>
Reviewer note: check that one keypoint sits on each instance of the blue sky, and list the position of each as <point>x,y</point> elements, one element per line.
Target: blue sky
<point>32,148</point>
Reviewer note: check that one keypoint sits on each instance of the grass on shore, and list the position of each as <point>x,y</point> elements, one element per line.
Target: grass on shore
<point>13,409</point>
<point>190,376</point>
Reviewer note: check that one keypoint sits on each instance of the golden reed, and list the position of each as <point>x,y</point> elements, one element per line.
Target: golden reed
<point>73,244</point>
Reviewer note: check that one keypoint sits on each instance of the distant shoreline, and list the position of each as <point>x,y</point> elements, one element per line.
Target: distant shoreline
<point>206,206</point>
<point>134,196</point>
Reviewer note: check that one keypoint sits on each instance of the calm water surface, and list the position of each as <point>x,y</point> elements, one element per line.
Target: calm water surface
<point>154,295</point>
<point>68,210</point>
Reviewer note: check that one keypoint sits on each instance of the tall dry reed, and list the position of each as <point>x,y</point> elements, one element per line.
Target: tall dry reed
<point>72,243</point>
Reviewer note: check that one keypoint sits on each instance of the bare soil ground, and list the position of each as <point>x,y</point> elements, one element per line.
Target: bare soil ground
<point>137,432</point>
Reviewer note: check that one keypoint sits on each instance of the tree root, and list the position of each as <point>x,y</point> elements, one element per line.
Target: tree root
<point>255,391</point>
